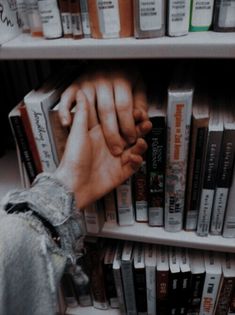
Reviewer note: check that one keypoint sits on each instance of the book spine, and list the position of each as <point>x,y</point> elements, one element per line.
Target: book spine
<point>140,194</point>
<point>151,289</point>
<point>201,15</point>
<point>196,289</point>
<point>225,170</point>
<point>156,163</point>
<point>94,217</point>
<point>140,291</point>
<point>178,124</point>
<point>25,152</point>
<point>40,128</point>
<point>178,17</point>
<point>85,19</point>
<point>229,221</point>
<point>194,181</point>
<point>110,207</point>
<point>50,18</point>
<point>162,291</point>
<point>124,203</point>
<point>224,16</point>
<point>149,18</point>
<point>110,284</point>
<point>66,18</point>
<point>209,294</point>
<point>22,11</point>
<point>76,19</point>
<point>232,304</point>
<point>35,23</point>
<point>210,173</point>
<point>224,297</point>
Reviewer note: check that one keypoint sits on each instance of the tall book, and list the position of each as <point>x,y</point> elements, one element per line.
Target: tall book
<point>212,283</point>
<point>199,132</point>
<point>225,171</point>
<point>185,274</point>
<point>229,221</point>
<point>214,140</point>
<point>38,103</point>
<point>175,282</point>
<point>85,19</point>
<point>201,15</point>
<point>140,193</point>
<point>95,255</point>
<point>150,257</point>
<point>140,279</point>
<point>224,16</point>
<point>22,142</point>
<point>125,207</point>
<point>227,284</point>
<point>179,109</point>
<point>197,267</point>
<point>111,292</point>
<point>128,278</point>
<point>118,278</point>
<point>110,207</point>
<point>162,283</point>
<point>156,162</point>
<point>94,217</point>
<point>178,17</point>
<point>10,25</point>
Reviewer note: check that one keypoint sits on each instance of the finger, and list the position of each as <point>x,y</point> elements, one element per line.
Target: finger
<point>143,128</point>
<point>79,126</point>
<point>124,108</point>
<point>88,89</point>
<point>107,116</point>
<point>132,166</point>
<point>140,115</point>
<point>138,149</point>
<point>67,99</point>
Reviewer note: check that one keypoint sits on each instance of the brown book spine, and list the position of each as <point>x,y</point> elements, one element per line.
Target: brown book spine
<point>111,19</point>
<point>66,18</point>
<point>31,140</point>
<point>162,290</point>
<point>75,10</point>
<point>225,295</point>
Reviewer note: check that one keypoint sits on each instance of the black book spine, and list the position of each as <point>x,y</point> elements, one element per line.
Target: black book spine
<point>140,291</point>
<point>21,139</point>
<point>197,283</point>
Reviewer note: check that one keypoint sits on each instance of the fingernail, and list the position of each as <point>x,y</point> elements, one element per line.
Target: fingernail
<point>64,121</point>
<point>117,150</point>
<point>132,140</point>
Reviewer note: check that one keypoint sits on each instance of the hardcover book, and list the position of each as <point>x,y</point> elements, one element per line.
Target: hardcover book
<point>224,16</point>
<point>94,217</point>
<point>201,15</point>
<point>140,193</point>
<point>199,132</point>
<point>175,282</point>
<point>110,207</point>
<point>162,283</point>
<point>185,274</point>
<point>214,140</point>
<point>179,110</point>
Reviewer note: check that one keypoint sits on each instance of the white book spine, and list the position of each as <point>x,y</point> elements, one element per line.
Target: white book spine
<point>94,218</point>
<point>150,271</point>
<point>221,195</point>
<point>206,203</point>
<point>178,17</point>
<point>202,11</point>
<point>229,222</point>
<point>178,127</point>
<point>125,204</point>
<point>43,141</point>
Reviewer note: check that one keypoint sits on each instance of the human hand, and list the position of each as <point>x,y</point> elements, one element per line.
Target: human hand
<point>121,104</point>
<point>88,168</point>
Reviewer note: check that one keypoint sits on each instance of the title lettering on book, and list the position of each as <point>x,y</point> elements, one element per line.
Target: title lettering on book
<point>178,131</point>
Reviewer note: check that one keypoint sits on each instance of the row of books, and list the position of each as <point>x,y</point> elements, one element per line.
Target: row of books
<point>124,18</point>
<point>146,279</point>
<point>172,186</point>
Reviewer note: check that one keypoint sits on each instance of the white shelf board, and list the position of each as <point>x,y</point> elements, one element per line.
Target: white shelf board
<point>9,173</point>
<point>91,311</point>
<point>193,45</point>
<point>144,233</point>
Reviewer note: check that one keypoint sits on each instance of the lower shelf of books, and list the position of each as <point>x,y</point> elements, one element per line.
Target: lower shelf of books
<point>144,233</point>
<point>91,310</point>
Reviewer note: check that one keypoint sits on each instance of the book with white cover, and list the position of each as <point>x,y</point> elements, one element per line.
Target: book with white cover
<point>38,103</point>
<point>94,217</point>
<point>125,207</point>
<point>178,17</point>
<point>212,282</point>
<point>10,24</point>
<point>150,270</point>
<point>214,140</point>
<point>185,275</point>
<point>225,171</point>
<point>179,110</point>
<point>128,278</point>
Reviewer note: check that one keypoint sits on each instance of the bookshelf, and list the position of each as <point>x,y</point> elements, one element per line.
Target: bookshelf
<point>208,45</point>
<point>193,45</point>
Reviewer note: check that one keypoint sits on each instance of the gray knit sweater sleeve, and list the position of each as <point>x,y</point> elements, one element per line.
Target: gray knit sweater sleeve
<point>31,263</point>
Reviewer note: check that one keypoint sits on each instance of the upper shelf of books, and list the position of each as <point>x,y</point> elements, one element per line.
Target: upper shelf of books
<point>194,45</point>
